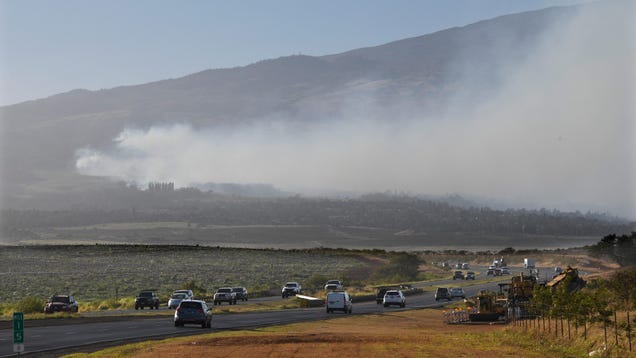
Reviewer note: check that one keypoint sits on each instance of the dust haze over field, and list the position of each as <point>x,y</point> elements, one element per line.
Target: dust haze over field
<point>558,131</point>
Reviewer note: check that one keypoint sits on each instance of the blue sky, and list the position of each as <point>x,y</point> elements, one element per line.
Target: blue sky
<point>53,46</point>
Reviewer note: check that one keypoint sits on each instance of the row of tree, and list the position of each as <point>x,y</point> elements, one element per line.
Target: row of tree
<point>619,248</point>
<point>382,211</point>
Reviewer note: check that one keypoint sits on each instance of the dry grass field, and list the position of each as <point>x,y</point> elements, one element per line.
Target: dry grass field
<point>420,333</point>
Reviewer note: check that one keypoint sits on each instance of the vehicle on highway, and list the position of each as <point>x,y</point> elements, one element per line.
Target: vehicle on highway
<point>189,294</point>
<point>379,296</point>
<point>193,312</point>
<point>224,294</point>
<point>61,303</point>
<point>394,297</point>
<point>338,301</point>
<point>442,294</point>
<point>291,289</point>
<point>241,293</point>
<point>457,292</point>
<point>470,275</point>
<point>147,298</point>
<point>333,285</point>
<point>458,275</point>
<point>493,271</point>
<point>176,299</point>
<point>465,266</point>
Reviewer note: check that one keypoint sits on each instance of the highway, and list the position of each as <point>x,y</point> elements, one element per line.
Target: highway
<point>68,338</point>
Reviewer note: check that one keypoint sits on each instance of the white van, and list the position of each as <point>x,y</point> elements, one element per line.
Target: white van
<point>338,301</point>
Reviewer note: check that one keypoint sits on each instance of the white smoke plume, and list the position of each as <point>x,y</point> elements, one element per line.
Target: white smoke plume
<point>558,133</point>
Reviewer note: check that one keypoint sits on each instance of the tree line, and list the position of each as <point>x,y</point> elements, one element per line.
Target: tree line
<point>379,210</point>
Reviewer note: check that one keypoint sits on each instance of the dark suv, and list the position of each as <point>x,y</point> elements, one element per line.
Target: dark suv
<point>379,296</point>
<point>193,311</point>
<point>61,303</point>
<point>147,298</point>
<point>442,293</point>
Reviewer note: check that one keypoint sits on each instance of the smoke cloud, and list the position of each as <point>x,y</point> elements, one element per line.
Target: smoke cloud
<point>558,133</point>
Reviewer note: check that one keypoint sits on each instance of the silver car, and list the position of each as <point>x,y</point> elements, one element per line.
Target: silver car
<point>176,299</point>
<point>394,297</point>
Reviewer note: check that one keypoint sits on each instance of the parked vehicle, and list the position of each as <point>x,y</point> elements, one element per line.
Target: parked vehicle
<point>225,294</point>
<point>291,289</point>
<point>470,275</point>
<point>241,293</point>
<point>394,297</point>
<point>147,298</point>
<point>457,292</point>
<point>333,285</point>
<point>442,294</point>
<point>465,266</point>
<point>338,301</point>
<point>458,275</point>
<point>194,312</point>
<point>61,303</point>
<point>176,299</point>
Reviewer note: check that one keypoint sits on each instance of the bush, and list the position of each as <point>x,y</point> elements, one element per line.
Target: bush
<point>30,304</point>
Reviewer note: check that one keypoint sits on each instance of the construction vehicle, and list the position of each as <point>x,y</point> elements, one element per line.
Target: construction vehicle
<point>570,277</point>
<point>491,307</point>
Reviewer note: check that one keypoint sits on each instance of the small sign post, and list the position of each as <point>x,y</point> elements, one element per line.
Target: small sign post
<point>18,332</point>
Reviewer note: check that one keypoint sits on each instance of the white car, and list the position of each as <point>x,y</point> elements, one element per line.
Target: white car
<point>291,289</point>
<point>333,285</point>
<point>394,297</point>
<point>189,294</point>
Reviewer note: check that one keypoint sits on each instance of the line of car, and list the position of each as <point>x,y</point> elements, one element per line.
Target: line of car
<point>191,311</point>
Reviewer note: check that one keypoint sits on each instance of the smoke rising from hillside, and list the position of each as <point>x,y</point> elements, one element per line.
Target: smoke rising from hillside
<point>559,133</point>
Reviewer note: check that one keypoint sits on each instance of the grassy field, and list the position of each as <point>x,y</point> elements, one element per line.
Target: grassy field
<point>100,272</point>
<point>419,333</point>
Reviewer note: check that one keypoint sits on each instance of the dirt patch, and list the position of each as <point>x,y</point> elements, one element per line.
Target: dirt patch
<point>405,334</point>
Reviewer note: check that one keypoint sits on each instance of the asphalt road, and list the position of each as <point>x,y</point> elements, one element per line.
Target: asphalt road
<point>47,340</point>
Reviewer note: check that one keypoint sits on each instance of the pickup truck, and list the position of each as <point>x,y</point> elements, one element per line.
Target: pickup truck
<point>147,298</point>
<point>290,289</point>
<point>225,294</point>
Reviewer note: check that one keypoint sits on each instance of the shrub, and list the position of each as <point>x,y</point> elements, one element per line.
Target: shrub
<point>30,304</point>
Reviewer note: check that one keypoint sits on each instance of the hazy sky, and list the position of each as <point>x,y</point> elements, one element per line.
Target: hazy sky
<point>53,46</point>
<point>558,132</point>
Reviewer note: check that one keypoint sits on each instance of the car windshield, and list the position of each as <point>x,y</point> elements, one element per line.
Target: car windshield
<point>145,294</point>
<point>179,295</point>
<point>392,293</point>
<point>237,289</point>
<point>224,290</point>
<point>335,282</point>
<point>60,299</point>
<point>291,285</point>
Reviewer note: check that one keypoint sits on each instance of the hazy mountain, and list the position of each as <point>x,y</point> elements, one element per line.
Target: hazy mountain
<point>40,138</point>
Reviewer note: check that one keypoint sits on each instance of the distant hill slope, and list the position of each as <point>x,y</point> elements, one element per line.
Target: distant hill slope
<point>41,136</point>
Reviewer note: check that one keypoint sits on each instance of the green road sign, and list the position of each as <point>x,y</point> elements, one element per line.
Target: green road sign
<point>18,327</point>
